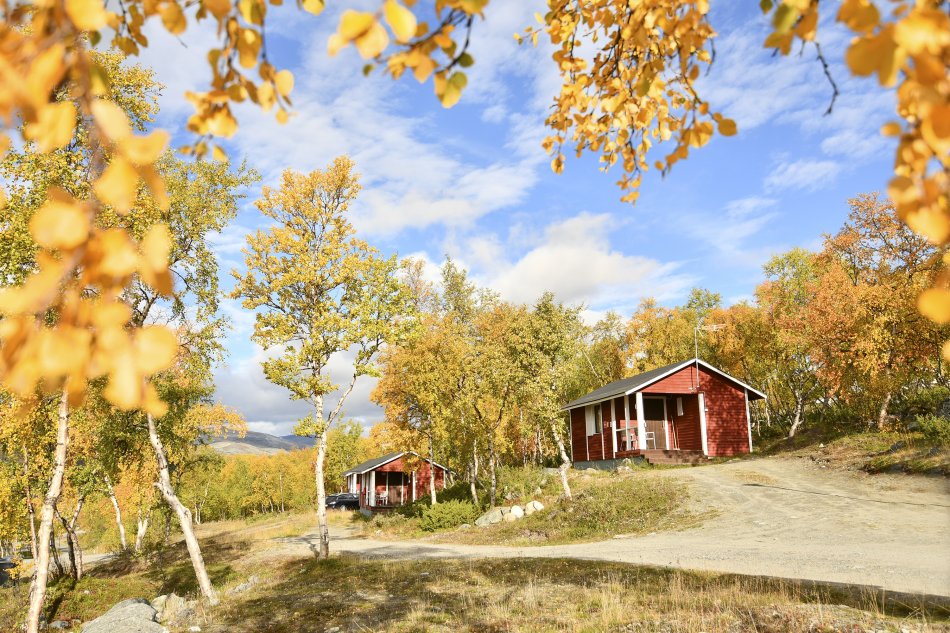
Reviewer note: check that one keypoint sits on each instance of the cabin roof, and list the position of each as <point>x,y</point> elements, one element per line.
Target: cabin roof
<point>376,462</point>
<point>636,383</point>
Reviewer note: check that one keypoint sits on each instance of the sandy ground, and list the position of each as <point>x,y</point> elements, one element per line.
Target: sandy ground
<point>781,517</point>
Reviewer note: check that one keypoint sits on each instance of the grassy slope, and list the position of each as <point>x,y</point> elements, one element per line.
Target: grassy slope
<point>605,504</point>
<point>871,451</point>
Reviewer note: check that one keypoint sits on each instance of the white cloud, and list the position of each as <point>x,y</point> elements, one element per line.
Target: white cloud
<point>804,174</point>
<point>268,408</point>
<point>575,260</point>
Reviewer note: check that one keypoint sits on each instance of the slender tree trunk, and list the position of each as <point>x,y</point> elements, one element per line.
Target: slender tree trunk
<point>797,420</point>
<point>493,491</point>
<point>431,466</point>
<point>322,527</point>
<point>565,460</point>
<point>74,537</point>
<point>30,510</point>
<point>54,552</point>
<point>74,566</point>
<point>474,480</point>
<point>41,571</point>
<point>164,485</point>
<point>118,513</point>
<point>882,413</point>
<point>141,529</point>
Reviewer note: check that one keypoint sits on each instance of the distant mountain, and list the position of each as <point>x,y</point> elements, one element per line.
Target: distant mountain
<point>256,443</point>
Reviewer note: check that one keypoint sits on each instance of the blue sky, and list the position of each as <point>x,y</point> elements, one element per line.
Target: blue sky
<point>474,183</point>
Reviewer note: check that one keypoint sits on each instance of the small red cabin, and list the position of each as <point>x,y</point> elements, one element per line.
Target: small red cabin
<point>387,481</point>
<point>688,407</point>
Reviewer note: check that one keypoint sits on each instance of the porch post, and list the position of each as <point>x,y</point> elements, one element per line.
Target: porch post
<point>641,424</point>
<point>372,484</point>
<point>626,420</point>
<point>613,426</point>
<point>413,486</point>
<point>748,419</point>
<point>702,422</point>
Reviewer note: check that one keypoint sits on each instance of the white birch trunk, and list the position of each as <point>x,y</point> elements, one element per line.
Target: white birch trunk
<point>565,460</point>
<point>797,420</point>
<point>141,529</point>
<point>431,467</point>
<point>184,514</point>
<point>118,513</point>
<point>882,413</point>
<point>31,511</point>
<point>322,528</point>
<point>41,571</point>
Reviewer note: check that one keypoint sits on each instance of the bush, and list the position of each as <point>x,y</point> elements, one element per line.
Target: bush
<point>447,515</point>
<point>459,491</point>
<point>935,428</point>
<point>520,482</point>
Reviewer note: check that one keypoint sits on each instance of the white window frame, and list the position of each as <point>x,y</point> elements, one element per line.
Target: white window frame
<point>589,419</point>
<point>679,405</point>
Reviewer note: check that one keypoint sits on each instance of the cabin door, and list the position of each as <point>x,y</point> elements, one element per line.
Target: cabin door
<point>654,417</point>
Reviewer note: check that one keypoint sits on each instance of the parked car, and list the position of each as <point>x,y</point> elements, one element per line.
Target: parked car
<point>6,564</point>
<point>344,501</point>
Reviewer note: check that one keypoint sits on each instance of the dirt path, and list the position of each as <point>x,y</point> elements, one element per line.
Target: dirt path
<point>777,517</point>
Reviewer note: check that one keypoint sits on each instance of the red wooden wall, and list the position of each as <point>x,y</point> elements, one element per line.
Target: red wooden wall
<point>727,432</point>
<point>688,432</point>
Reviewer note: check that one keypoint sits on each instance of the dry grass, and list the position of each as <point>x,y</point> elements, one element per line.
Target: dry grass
<point>534,595</point>
<point>302,595</point>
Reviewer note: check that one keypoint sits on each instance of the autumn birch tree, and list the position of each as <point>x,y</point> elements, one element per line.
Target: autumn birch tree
<point>318,291</point>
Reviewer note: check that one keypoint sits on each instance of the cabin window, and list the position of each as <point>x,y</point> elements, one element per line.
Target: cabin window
<point>679,406</point>
<point>594,419</point>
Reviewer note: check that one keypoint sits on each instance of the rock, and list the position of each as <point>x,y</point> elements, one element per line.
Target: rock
<point>495,515</point>
<point>173,610</point>
<point>129,616</point>
<point>517,512</point>
<point>194,629</point>
<point>537,492</point>
<point>465,526</point>
<point>897,446</point>
<point>533,506</point>
<point>59,624</point>
<point>244,586</point>
<point>333,629</point>
<point>510,518</point>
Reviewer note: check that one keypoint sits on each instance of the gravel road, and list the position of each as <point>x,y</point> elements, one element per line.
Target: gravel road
<point>781,517</point>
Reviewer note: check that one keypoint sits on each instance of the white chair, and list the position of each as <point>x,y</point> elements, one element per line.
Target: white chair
<point>650,437</point>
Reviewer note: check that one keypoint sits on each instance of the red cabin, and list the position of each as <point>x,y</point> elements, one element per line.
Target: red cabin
<point>690,407</point>
<point>388,481</point>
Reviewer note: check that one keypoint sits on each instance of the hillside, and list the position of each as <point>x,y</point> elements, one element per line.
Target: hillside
<point>257,443</point>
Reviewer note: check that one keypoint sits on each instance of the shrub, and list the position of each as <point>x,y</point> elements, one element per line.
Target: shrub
<point>447,515</point>
<point>520,482</point>
<point>935,428</point>
<point>459,491</point>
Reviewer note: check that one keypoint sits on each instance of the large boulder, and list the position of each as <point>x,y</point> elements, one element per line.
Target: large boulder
<point>517,512</point>
<point>173,610</point>
<point>129,616</point>
<point>533,506</point>
<point>495,515</point>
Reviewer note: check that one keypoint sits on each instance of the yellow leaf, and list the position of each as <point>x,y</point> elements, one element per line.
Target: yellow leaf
<point>87,15</point>
<point>221,123</point>
<point>145,150</point>
<point>354,23</point>
<point>727,127</point>
<point>113,314</point>
<point>284,80</point>
<point>125,385</point>
<point>807,26</point>
<point>218,154</point>
<point>156,246</point>
<point>111,120</point>
<point>934,304</point>
<point>935,128</point>
<point>218,8</point>
<point>891,129</point>
<point>155,348</point>
<point>118,258</point>
<point>780,41</point>
<point>373,42</point>
<point>173,18</point>
<point>401,20</point>
<point>54,126</point>
<point>923,30</point>
<point>878,53</point>
<point>860,16</point>
<point>60,225</point>
<point>118,185</point>
<point>249,46</point>
<point>252,11</point>
<point>314,6</point>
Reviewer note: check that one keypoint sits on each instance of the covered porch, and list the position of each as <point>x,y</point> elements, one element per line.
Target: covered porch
<point>642,423</point>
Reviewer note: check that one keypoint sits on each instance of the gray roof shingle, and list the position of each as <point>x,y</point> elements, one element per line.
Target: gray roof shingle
<point>620,387</point>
